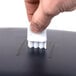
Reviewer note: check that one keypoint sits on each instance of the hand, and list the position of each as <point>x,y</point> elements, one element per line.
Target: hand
<point>40,12</point>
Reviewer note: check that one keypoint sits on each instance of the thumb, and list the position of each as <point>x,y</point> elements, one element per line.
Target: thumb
<point>40,20</point>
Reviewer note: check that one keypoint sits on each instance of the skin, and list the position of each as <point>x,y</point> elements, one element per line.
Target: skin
<point>41,12</point>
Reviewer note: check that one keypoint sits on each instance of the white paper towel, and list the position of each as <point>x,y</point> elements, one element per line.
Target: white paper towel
<point>36,39</point>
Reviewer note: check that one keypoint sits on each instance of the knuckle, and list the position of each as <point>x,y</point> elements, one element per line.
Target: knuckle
<point>35,27</point>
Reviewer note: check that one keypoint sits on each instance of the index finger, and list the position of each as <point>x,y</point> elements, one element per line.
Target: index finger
<point>31,6</point>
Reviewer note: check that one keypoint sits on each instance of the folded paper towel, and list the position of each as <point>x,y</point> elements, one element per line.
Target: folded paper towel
<point>36,40</point>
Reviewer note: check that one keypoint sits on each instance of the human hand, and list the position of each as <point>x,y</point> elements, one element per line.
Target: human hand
<point>41,12</point>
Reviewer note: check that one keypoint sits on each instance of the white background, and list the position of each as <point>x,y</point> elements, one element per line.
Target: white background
<point>13,14</point>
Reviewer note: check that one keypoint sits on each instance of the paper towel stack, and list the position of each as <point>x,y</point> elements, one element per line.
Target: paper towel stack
<point>37,40</point>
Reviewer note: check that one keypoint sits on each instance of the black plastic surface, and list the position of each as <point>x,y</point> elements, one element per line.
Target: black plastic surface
<point>59,58</point>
